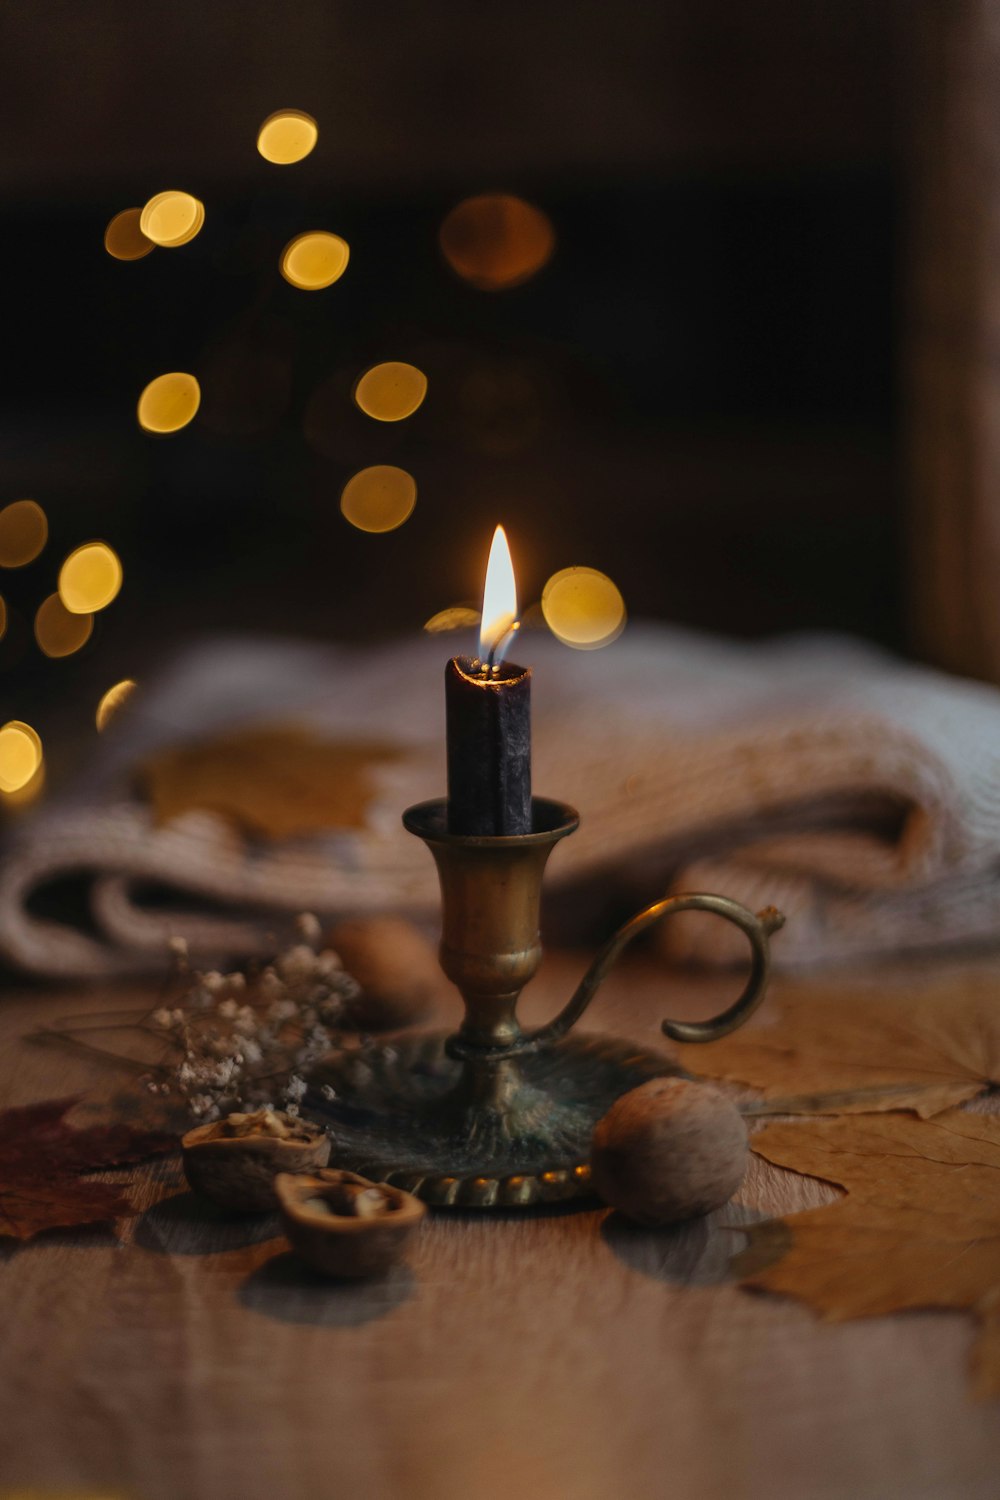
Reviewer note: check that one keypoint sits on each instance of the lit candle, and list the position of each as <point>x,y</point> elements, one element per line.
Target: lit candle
<point>488,705</point>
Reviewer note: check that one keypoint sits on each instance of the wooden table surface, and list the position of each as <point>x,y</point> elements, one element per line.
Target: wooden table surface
<point>541,1356</point>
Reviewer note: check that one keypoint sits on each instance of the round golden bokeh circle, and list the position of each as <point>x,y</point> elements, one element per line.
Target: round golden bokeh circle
<point>20,755</point>
<point>124,238</point>
<point>583,608</point>
<point>379,498</point>
<point>391,391</point>
<point>90,578</point>
<point>58,631</point>
<point>169,402</point>
<point>314,260</point>
<point>287,136</point>
<point>24,530</point>
<point>172,218</point>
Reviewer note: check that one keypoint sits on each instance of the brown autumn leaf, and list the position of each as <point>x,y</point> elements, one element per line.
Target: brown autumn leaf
<point>41,1155</point>
<point>856,1053</point>
<point>274,783</point>
<point>919,1227</point>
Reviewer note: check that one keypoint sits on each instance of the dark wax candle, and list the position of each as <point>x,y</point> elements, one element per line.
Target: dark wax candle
<point>489,747</point>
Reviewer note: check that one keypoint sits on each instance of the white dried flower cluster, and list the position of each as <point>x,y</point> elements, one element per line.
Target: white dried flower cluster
<point>243,1040</point>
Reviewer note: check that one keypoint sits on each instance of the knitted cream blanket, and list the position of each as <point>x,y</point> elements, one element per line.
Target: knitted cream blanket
<point>859,794</point>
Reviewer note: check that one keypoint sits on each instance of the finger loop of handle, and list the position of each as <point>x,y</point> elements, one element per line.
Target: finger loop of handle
<point>758,928</point>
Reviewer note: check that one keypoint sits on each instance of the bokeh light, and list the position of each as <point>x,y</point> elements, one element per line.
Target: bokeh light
<point>287,136</point>
<point>112,701</point>
<point>124,238</point>
<point>455,617</point>
<point>24,531</point>
<point>496,240</point>
<point>315,260</point>
<point>169,402</point>
<point>26,794</point>
<point>90,578</point>
<point>172,218</point>
<point>379,499</point>
<point>583,608</point>
<point>58,631</point>
<point>20,755</point>
<point>391,391</point>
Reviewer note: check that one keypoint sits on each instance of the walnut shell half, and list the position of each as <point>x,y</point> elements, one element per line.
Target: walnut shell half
<point>344,1225</point>
<point>236,1166</point>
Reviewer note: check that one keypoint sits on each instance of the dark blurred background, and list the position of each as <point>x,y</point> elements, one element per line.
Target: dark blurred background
<point>698,394</point>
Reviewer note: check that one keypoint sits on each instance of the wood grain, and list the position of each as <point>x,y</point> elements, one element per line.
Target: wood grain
<point>561,1356</point>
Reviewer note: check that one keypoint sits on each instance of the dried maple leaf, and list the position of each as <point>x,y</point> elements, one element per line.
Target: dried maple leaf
<point>26,1208</point>
<point>41,1155</point>
<point>276,782</point>
<point>919,1227</point>
<point>34,1135</point>
<point>862,1053</point>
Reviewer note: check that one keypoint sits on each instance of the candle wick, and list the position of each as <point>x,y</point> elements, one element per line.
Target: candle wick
<point>501,644</point>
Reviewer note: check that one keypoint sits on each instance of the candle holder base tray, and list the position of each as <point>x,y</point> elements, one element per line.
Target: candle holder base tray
<point>407,1113</point>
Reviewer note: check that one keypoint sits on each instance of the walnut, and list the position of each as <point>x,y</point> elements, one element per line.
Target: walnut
<point>235,1160</point>
<point>669,1150</point>
<point>344,1225</point>
<point>395,965</point>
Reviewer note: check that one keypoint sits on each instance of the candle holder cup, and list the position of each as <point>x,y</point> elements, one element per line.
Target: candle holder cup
<point>493,1116</point>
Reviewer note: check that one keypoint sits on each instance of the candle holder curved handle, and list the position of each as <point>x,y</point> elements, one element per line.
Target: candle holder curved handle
<point>758,928</point>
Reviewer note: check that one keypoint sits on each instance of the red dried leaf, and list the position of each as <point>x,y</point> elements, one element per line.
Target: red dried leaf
<point>99,1146</point>
<point>26,1208</point>
<point>43,1121</point>
<point>41,1156</point>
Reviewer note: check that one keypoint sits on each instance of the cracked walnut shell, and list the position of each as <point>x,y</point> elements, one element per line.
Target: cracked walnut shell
<point>235,1161</point>
<point>344,1225</point>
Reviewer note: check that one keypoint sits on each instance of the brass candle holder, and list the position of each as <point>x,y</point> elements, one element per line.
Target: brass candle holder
<point>493,1116</point>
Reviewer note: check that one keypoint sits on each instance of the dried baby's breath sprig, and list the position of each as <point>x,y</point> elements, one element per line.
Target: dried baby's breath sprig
<point>244,1039</point>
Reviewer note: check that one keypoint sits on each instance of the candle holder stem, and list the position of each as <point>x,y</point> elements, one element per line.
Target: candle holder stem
<point>493,1116</point>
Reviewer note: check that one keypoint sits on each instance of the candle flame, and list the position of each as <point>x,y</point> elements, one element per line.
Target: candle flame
<point>499,620</point>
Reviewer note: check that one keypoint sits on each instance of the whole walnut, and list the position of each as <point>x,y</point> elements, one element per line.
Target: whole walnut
<point>395,965</point>
<point>669,1150</point>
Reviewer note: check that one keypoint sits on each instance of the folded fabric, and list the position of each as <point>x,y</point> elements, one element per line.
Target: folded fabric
<point>858,793</point>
